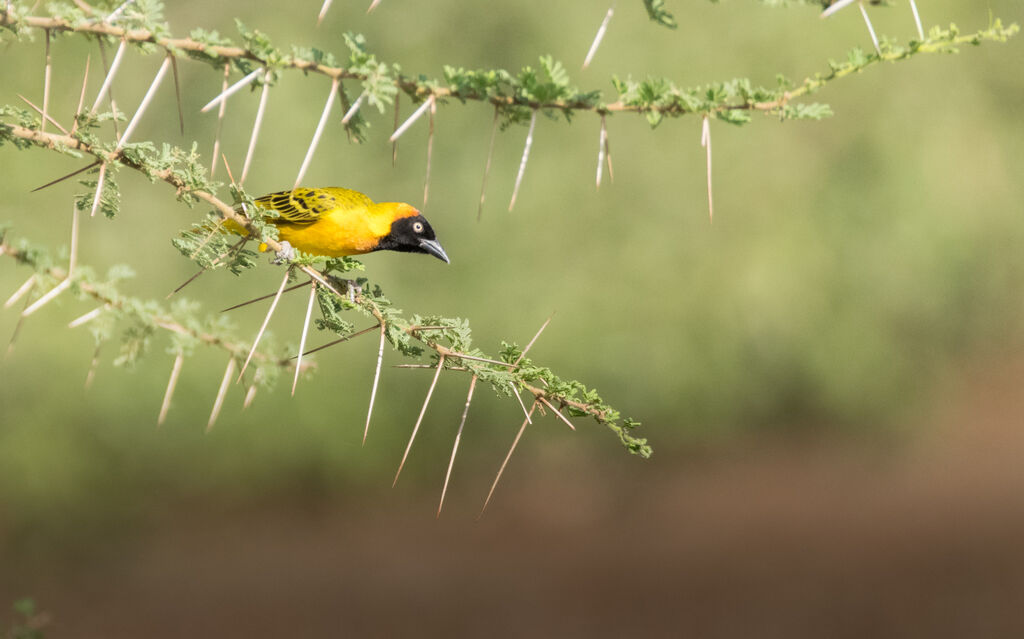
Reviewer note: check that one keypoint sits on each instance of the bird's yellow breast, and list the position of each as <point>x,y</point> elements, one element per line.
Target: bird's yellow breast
<point>339,232</point>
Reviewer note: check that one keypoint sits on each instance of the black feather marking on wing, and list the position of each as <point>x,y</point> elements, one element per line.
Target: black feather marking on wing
<point>301,206</point>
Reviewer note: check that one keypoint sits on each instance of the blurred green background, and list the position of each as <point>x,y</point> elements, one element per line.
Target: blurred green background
<point>858,288</point>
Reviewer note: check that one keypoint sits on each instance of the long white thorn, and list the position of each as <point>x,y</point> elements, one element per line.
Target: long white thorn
<point>302,340</point>
<point>99,190</point>
<point>81,96</point>
<point>376,378</point>
<point>319,132</point>
<point>705,141</point>
<point>487,164</point>
<point>836,6</point>
<point>455,447</point>
<point>511,450</point>
<point>419,420</point>
<point>266,320</point>
<point>520,398</point>
<point>373,5</point>
<point>87,317</point>
<point>105,87</point>
<point>220,121</point>
<point>255,129</point>
<point>221,392</point>
<point>233,89</point>
<point>599,37</point>
<point>412,118</point>
<point>66,282</point>
<point>917,19</point>
<point>430,155</point>
<point>522,162</point>
<point>352,110</point>
<point>18,294</point>
<point>114,15</point>
<point>871,28</point>
<point>146,99</point>
<point>557,412</point>
<point>47,71</point>
<point>602,140</point>
<point>179,359</point>
<point>323,12</point>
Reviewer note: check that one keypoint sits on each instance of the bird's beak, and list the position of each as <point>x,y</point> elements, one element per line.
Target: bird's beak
<point>434,248</point>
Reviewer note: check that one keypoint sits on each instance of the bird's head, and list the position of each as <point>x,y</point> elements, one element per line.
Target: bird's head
<point>410,232</point>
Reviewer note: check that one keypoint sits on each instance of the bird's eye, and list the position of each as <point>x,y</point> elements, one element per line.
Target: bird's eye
<point>417,227</point>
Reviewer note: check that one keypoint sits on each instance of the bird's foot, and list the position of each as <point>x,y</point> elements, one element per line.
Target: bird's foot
<point>286,254</point>
<point>350,287</point>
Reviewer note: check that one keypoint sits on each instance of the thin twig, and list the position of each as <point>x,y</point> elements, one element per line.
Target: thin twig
<point>511,450</point>
<point>487,164</point>
<point>90,376</point>
<point>455,447</point>
<point>177,94</point>
<point>64,177</point>
<point>599,36</point>
<point>419,420</point>
<point>16,332</point>
<point>264,297</point>
<point>266,320</point>
<point>230,91</point>
<point>376,379</point>
<point>302,340</point>
<point>522,162</point>
<point>179,359</point>
<point>46,116</point>
<point>235,248</point>
<point>220,120</point>
<point>257,123</point>
<point>319,132</point>
<point>221,392</point>
<point>412,118</point>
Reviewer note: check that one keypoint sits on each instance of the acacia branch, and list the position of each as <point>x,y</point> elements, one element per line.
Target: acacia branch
<point>473,363</point>
<point>672,102</point>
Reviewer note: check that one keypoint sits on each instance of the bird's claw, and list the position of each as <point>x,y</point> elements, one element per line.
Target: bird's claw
<point>286,254</point>
<point>350,287</point>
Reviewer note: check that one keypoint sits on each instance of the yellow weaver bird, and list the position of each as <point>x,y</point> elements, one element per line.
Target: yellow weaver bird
<point>333,221</point>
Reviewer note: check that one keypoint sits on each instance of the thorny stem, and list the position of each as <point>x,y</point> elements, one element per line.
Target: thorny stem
<point>227,212</point>
<point>185,46</point>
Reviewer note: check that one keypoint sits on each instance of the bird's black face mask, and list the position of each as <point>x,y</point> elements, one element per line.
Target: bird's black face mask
<point>412,234</point>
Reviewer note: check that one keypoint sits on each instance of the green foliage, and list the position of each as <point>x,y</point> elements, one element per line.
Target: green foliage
<point>28,623</point>
<point>656,11</point>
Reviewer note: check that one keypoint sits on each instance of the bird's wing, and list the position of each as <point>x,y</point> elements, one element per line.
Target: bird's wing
<point>306,206</point>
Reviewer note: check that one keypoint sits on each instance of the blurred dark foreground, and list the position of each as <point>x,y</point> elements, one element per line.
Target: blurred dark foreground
<point>765,539</point>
